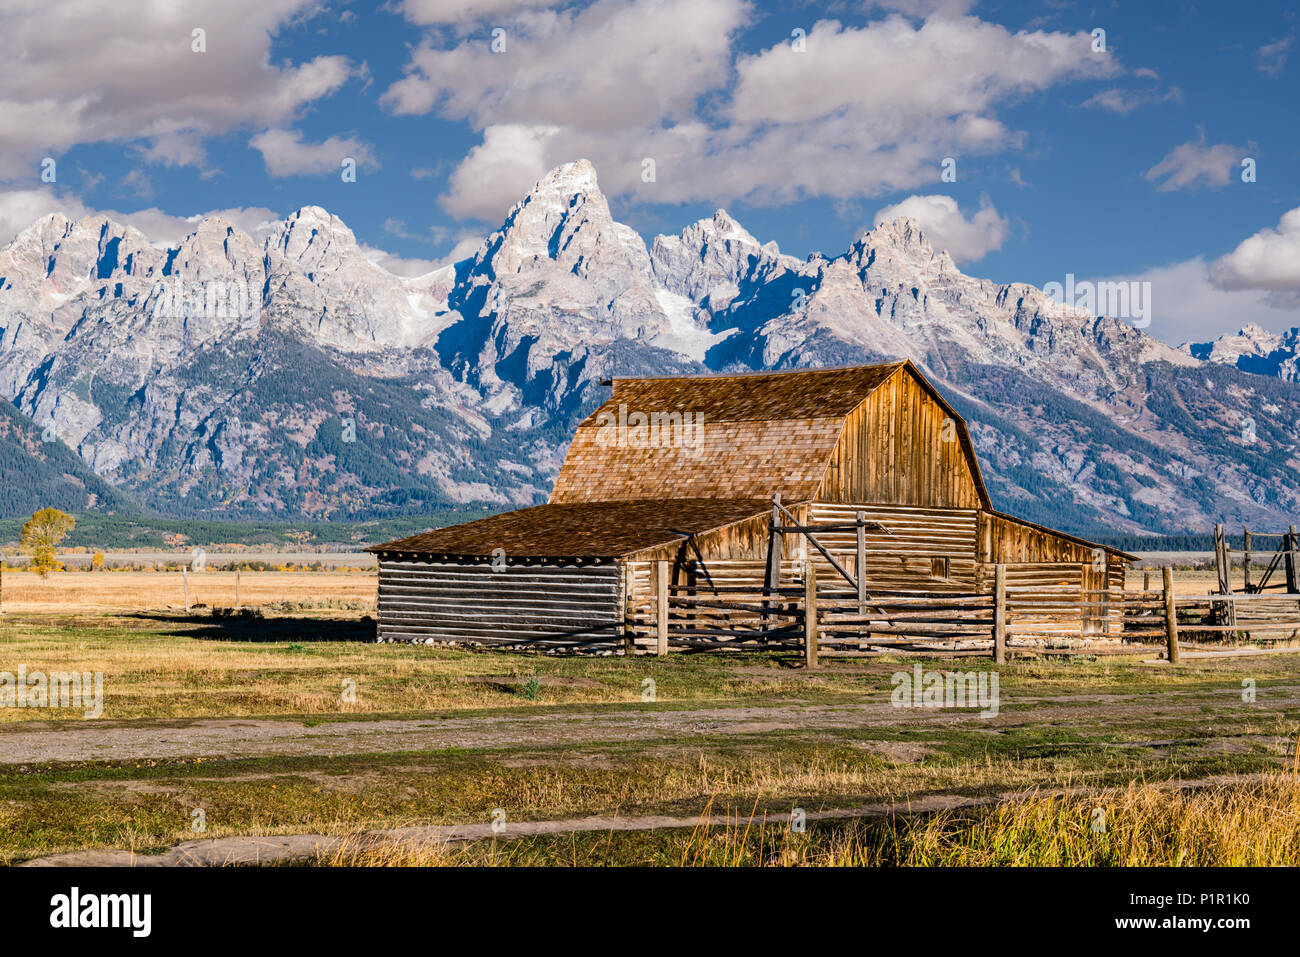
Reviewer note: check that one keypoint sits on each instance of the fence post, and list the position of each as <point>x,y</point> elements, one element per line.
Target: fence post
<point>810,614</point>
<point>1146,579</point>
<point>772,576</point>
<point>1171,615</point>
<point>1000,614</point>
<point>1245,559</point>
<point>185,578</point>
<point>1292,585</point>
<point>1220,562</point>
<point>661,607</point>
<point>862,571</point>
<point>629,616</point>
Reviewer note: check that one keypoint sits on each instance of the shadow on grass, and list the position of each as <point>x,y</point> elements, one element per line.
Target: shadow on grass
<point>253,627</point>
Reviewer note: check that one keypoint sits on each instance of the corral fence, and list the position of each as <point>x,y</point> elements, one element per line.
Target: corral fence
<point>726,607</point>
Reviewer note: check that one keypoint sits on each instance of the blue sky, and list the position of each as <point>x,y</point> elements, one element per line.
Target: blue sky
<point>1122,162</point>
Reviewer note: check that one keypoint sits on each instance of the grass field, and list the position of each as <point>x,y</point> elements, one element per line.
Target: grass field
<point>83,592</point>
<point>251,724</point>
<point>1252,823</point>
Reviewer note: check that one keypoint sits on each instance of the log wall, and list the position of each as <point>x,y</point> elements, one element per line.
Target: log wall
<point>548,604</point>
<point>922,549</point>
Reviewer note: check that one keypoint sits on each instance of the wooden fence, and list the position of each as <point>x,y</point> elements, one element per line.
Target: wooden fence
<point>677,607</point>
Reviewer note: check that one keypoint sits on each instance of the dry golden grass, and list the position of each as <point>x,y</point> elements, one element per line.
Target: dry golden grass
<point>87,592</point>
<point>1241,823</point>
<point>1254,824</point>
<point>74,592</point>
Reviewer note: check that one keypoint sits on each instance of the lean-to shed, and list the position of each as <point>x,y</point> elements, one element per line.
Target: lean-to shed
<point>685,469</point>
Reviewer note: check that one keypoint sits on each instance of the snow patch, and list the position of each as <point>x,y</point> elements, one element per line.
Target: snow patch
<point>684,335</point>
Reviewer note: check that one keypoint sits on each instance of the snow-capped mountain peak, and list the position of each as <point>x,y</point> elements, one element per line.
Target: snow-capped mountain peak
<point>209,371</point>
<point>1254,349</point>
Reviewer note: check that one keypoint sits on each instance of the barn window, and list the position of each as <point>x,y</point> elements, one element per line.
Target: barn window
<point>939,568</point>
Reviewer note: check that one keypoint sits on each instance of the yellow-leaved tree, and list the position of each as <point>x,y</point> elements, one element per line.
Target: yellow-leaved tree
<point>42,533</point>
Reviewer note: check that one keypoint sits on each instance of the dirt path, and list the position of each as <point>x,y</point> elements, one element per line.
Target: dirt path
<point>223,851</point>
<point>235,738</point>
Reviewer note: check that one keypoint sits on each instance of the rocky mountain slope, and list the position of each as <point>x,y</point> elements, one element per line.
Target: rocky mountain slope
<point>295,377</point>
<point>39,471</point>
<point>1256,350</point>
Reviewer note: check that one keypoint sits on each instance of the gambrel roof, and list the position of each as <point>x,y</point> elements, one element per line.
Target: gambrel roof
<point>754,435</point>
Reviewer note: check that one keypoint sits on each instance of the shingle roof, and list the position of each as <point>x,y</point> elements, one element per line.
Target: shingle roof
<point>746,436</point>
<point>585,529</point>
<point>748,397</point>
<point>722,459</point>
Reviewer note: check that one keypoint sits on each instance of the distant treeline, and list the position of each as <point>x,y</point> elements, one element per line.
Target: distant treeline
<point>1259,542</point>
<point>96,530</point>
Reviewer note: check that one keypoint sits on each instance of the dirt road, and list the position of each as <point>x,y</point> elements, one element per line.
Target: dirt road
<point>235,738</point>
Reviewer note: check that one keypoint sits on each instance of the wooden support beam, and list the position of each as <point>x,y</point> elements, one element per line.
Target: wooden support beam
<point>809,535</point>
<point>1292,586</point>
<point>774,547</point>
<point>1221,559</point>
<point>810,614</point>
<point>1000,614</point>
<point>861,570</point>
<point>1171,616</point>
<point>629,603</point>
<point>862,556</point>
<point>1245,559</point>
<point>661,607</point>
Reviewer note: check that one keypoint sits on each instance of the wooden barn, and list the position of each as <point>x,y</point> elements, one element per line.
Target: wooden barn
<point>709,483</point>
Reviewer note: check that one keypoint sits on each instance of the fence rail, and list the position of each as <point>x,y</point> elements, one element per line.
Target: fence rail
<point>733,611</point>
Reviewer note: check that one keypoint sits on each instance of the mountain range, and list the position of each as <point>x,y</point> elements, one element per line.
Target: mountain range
<point>294,377</point>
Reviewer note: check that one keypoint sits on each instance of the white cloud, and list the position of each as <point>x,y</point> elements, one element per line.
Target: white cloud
<point>399,265</point>
<point>412,267</point>
<point>864,111</point>
<point>286,154</point>
<point>20,208</point>
<point>1270,59</point>
<point>614,64</point>
<point>923,8</point>
<point>1186,306</point>
<point>1121,101</point>
<point>182,148</point>
<point>164,229</point>
<point>461,11</point>
<point>499,170</point>
<point>1193,162</point>
<point>1267,261</point>
<point>96,71</point>
<point>940,219</point>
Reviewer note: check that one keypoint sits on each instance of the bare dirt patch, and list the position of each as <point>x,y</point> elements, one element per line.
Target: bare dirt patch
<point>254,738</point>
